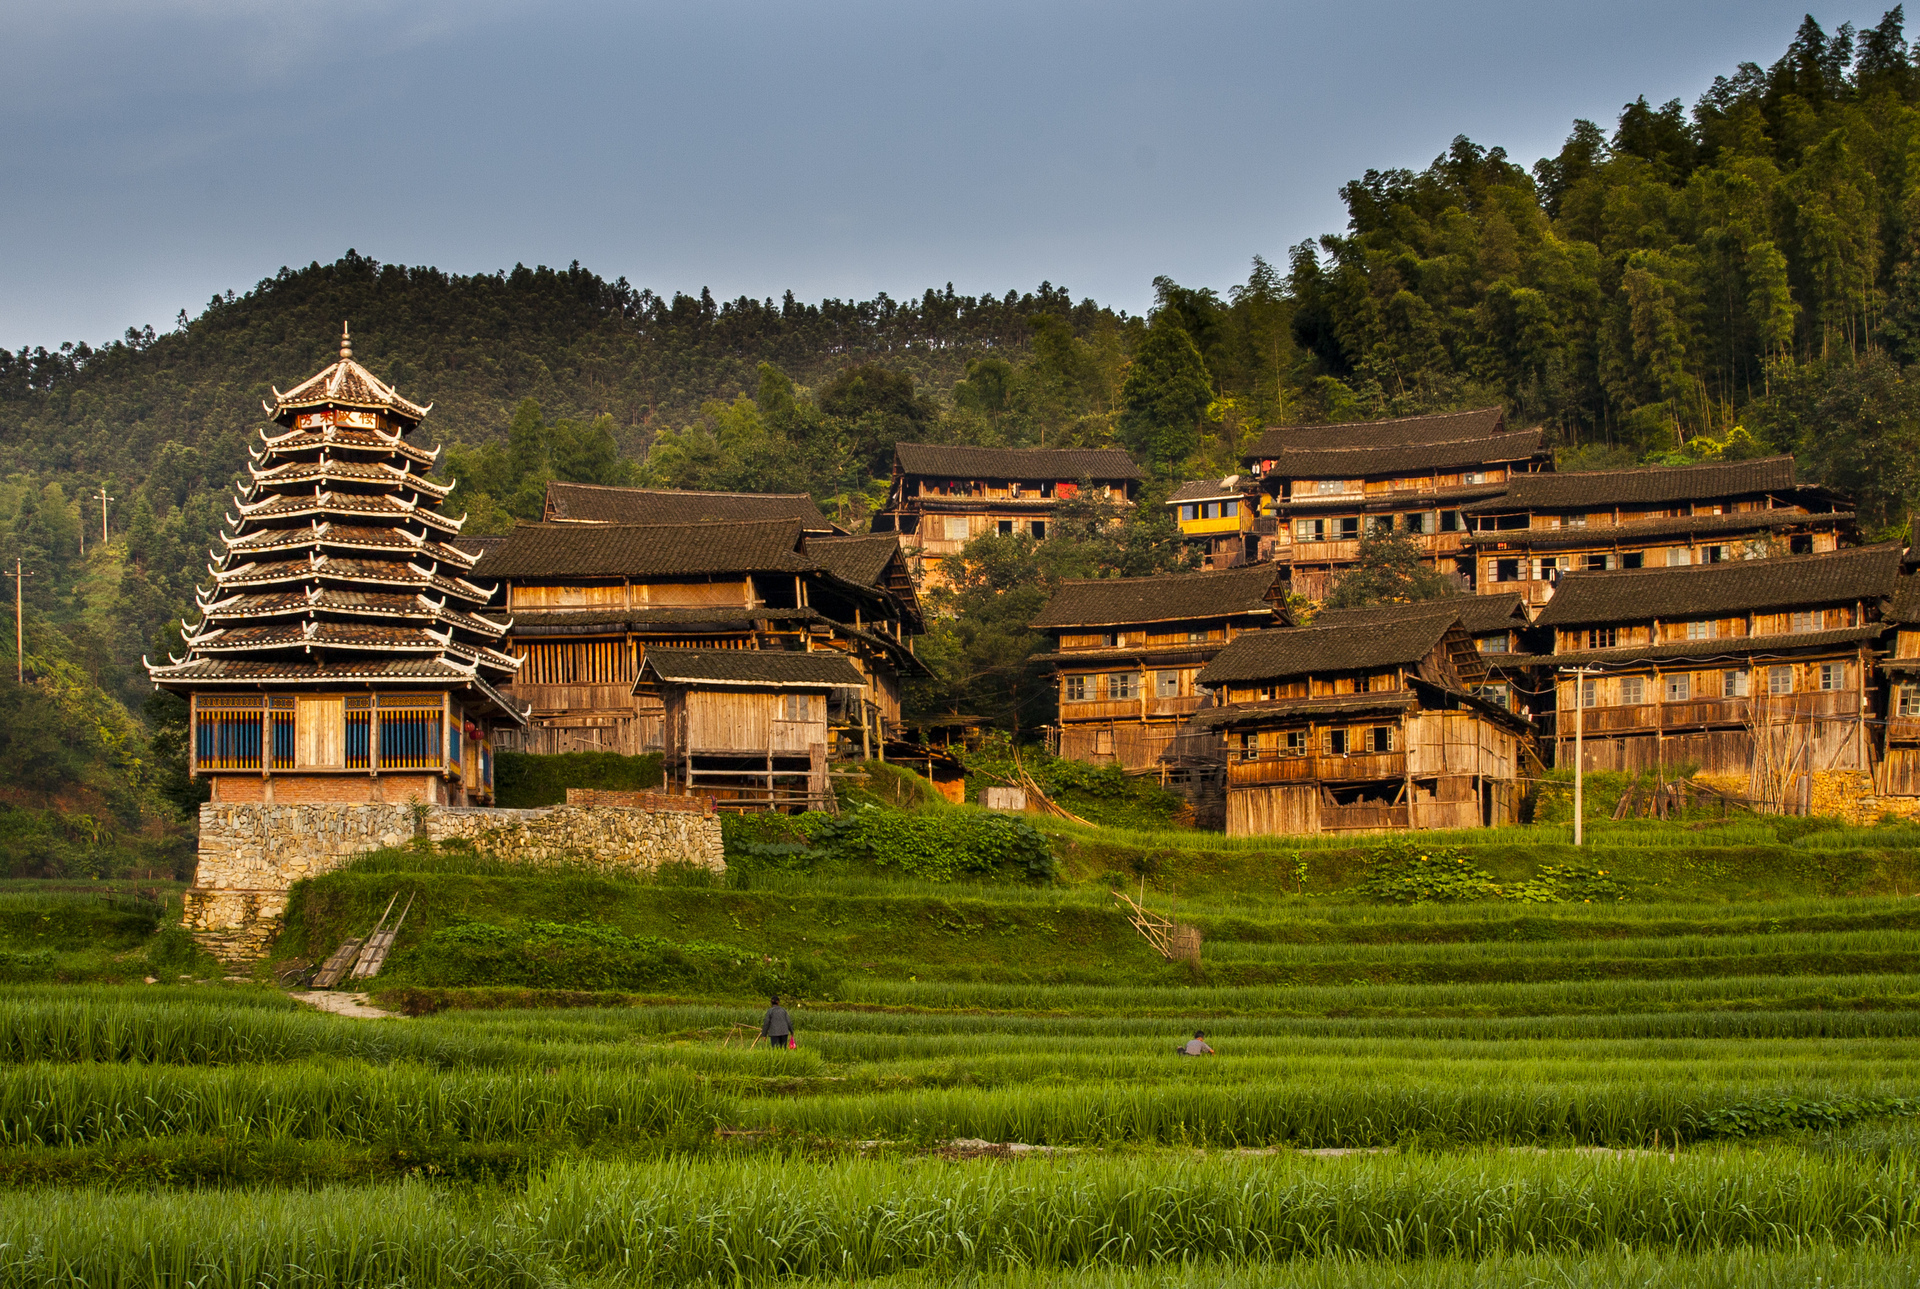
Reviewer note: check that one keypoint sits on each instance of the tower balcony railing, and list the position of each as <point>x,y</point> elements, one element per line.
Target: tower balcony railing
<point>363,733</point>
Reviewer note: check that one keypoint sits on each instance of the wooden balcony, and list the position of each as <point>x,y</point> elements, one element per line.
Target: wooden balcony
<point>1361,767</point>
<point>1707,713</point>
<point>1362,818</point>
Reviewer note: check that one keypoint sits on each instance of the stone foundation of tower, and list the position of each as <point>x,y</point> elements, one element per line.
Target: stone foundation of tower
<point>251,853</point>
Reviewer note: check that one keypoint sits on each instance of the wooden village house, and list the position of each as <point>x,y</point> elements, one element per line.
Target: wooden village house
<point>1128,652</point>
<point>1502,631</point>
<point>943,497</point>
<point>1762,670</point>
<point>1218,517</point>
<point>1319,487</point>
<point>1364,727</point>
<point>1899,771</point>
<point>752,729</point>
<point>1542,526</point>
<point>588,600</point>
<point>343,654</point>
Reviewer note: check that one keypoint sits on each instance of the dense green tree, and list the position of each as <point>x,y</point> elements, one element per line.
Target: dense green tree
<point>1389,571</point>
<point>1165,396</point>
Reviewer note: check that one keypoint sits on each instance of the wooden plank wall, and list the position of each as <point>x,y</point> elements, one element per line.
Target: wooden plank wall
<point>751,722</point>
<point>1279,808</point>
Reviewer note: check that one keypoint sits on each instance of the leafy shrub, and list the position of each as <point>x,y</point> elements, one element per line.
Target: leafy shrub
<point>522,779</point>
<point>1787,1114</point>
<point>1405,872</point>
<point>1102,794</point>
<point>562,955</point>
<point>939,847</point>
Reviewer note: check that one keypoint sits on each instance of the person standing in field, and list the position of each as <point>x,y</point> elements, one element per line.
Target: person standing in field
<point>777,1028</point>
<point>1197,1045</point>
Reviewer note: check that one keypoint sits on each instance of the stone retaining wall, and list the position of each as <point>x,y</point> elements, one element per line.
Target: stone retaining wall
<point>252,854</point>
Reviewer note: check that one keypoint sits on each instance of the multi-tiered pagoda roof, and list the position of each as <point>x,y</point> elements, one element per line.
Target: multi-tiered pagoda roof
<point>340,571</point>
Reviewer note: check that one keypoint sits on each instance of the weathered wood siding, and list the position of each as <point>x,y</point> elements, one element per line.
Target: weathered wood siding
<point>753,723</point>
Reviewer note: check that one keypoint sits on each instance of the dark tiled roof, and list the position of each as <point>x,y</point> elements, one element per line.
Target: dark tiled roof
<point>1905,608</point>
<point>1401,431</point>
<point>751,668</point>
<point>1176,597</point>
<point>1738,586</point>
<point>1602,535</point>
<point>1211,489</point>
<point>1443,458</point>
<point>1729,647</point>
<point>859,560</point>
<point>1041,464</point>
<point>568,550</point>
<point>1303,651</point>
<point>1646,485</point>
<point>477,545</point>
<point>1479,614</point>
<point>593,503</point>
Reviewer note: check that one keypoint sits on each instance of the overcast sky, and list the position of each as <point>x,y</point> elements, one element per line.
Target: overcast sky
<point>158,152</point>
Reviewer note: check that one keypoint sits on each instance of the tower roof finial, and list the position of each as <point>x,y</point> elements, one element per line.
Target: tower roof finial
<point>346,342</point>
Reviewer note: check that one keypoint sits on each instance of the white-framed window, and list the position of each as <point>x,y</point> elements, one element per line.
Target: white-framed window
<point>1805,620</point>
<point>1589,693</point>
<point>1310,530</point>
<point>1499,694</point>
<point>1679,557</point>
<point>1910,700</point>
<point>1702,630</point>
<point>1348,528</point>
<point>956,528</point>
<point>1122,686</point>
<point>1733,684</point>
<point>1418,522</point>
<point>1602,637</point>
<point>1076,689</point>
<point>1379,738</point>
<point>1327,487</point>
<point>1833,675</point>
<point>1474,476</point>
<point>1166,684</point>
<point>1493,644</point>
<point>1779,680</point>
<point>1295,743</point>
<point>1633,691</point>
<point>1249,744</point>
<point>1337,742</point>
<point>1679,687</point>
<point>793,707</point>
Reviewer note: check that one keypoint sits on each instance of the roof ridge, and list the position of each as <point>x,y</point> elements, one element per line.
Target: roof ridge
<point>673,492</point>
<point>1183,575</point>
<point>1394,420</point>
<point>1729,564</point>
<point>1691,465</point>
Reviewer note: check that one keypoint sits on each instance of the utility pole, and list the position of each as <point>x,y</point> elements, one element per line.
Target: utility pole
<point>1579,675</point>
<point>104,499</point>
<point>19,576</point>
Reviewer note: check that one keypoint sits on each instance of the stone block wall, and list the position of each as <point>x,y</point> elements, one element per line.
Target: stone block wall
<point>252,854</point>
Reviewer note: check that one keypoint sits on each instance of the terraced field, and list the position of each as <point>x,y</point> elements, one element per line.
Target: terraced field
<point>1633,1093</point>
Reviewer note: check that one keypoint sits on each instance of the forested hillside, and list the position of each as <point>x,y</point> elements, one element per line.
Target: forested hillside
<point>1738,277</point>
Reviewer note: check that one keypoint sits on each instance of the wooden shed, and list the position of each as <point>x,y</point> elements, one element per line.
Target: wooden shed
<point>1366,727</point>
<point>751,728</point>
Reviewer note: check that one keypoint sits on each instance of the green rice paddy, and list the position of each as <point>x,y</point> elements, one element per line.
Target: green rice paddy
<point>1670,1089</point>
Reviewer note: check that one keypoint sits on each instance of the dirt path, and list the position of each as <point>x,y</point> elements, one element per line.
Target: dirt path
<point>340,1004</point>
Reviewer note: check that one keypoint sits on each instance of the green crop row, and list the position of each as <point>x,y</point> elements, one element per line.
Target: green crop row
<point>751,1224</point>
<point>64,1105</point>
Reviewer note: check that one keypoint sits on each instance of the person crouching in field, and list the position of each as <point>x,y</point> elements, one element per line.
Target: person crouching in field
<point>777,1028</point>
<point>1197,1045</point>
